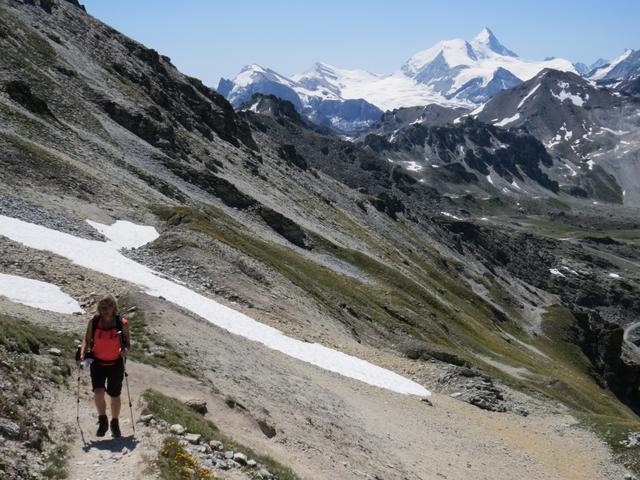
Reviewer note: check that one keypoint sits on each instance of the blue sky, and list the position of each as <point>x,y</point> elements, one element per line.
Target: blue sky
<point>209,39</point>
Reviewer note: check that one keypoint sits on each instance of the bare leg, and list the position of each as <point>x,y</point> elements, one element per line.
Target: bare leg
<point>115,407</point>
<point>101,404</point>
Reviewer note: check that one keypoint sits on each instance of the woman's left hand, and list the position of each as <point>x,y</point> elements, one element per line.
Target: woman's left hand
<point>123,352</point>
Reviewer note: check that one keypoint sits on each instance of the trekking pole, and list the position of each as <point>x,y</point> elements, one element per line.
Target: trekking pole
<point>126,379</point>
<point>78,359</point>
<point>78,368</point>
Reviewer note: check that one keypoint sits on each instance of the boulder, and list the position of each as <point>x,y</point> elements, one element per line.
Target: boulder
<point>193,438</point>
<point>240,458</point>
<point>268,430</point>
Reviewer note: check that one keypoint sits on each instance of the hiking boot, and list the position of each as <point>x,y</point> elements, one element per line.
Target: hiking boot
<point>115,428</point>
<point>103,425</point>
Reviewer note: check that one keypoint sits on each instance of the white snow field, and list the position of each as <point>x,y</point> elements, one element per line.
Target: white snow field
<point>104,257</point>
<point>35,293</point>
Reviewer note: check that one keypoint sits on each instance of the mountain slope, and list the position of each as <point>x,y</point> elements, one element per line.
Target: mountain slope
<point>594,132</point>
<point>325,241</point>
<point>623,67</point>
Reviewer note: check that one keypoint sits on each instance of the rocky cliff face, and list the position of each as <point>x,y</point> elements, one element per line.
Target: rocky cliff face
<point>603,343</point>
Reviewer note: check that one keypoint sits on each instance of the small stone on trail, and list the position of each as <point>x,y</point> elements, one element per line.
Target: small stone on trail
<point>427,401</point>
<point>55,352</point>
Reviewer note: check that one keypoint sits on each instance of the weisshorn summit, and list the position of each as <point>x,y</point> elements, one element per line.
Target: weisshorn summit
<point>453,73</point>
<point>449,291</point>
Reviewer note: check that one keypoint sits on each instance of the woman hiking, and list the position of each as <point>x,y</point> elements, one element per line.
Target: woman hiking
<point>107,341</point>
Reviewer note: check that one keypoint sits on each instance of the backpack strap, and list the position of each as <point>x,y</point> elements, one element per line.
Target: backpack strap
<point>94,325</point>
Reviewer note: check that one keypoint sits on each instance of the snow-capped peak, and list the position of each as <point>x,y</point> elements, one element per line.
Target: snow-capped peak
<point>252,72</point>
<point>318,69</point>
<point>452,72</point>
<point>601,72</point>
<point>486,44</point>
<point>454,52</point>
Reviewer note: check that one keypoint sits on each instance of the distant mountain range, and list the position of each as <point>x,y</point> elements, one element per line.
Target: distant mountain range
<point>452,73</point>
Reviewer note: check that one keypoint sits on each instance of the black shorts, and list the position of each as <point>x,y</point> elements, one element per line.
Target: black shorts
<point>112,375</point>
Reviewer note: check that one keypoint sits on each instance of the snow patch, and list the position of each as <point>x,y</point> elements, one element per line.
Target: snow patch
<point>450,215</point>
<point>414,167</point>
<point>577,100</point>
<point>37,294</point>
<point>105,258</point>
<point>123,234</point>
<point>477,111</point>
<point>533,90</point>
<point>556,272</point>
<point>507,121</point>
<point>615,132</point>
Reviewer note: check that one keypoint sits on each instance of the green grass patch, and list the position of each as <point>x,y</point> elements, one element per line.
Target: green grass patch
<point>615,431</point>
<point>173,411</point>
<point>25,337</point>
<point>565,228</point>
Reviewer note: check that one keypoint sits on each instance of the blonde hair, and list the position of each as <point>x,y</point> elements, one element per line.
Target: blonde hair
<point>107,300</point>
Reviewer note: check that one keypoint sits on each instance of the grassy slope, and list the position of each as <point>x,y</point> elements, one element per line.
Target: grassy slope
<point>27,346</point>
